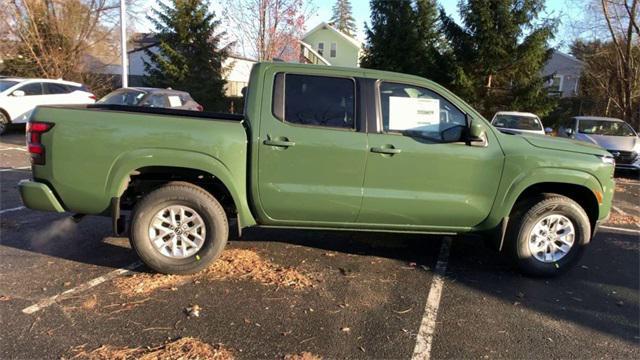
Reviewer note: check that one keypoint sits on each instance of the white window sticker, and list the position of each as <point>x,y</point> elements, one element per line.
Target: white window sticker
<point>174,101</point>
<point>413,113</point>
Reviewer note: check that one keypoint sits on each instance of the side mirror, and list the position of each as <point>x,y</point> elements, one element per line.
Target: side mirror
<point>548,130</point>
<point>477,134</point>
<point>18,93</point>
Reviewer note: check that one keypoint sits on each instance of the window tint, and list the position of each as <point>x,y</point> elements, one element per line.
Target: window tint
<point>157,100</point>
<point>414,110</point>
<point>122,97</point>
<point>519,122</point>
<point>315,100</point>
<point>604,127</point>
<point>53,88</point>
<point>5,84</point>
<point>32,89</point>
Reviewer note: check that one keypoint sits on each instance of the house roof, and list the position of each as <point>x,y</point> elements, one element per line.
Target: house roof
<point>569,57</point>
<point>324,25</point>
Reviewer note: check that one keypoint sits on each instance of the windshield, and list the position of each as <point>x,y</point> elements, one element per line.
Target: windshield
<point>604,127</point>
<point>123,97</point>
<point>518,122</point>
<point>5,84</point>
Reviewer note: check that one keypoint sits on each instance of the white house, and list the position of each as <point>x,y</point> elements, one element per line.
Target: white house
<point>566,71</point>
<point>326,45</point>
<point>237,69</point>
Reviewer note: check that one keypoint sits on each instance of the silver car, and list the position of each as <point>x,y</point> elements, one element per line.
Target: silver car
<point>151,97</point>
<point>615,135</point>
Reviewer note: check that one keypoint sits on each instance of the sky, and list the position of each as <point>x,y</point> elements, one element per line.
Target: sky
<point>567,10</point>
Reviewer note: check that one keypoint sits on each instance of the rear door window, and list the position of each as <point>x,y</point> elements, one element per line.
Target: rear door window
<point>32,89</point>
<point>55,89</point>
<point>315,100</point>
<point>174,101</point>
<point>156,100</point>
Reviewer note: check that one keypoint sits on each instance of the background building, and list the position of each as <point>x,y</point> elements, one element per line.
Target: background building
<point>326,45</point>
<point>566,72</point>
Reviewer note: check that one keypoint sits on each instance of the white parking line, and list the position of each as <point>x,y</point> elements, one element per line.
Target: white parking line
<point>15,148</point>
<point>620,229</point>
<point>80,288</point>
<point>422,350</point>
<point>620,211</point>
<point>16,168</point>
<point>12,209</point>
<point>623,213</point>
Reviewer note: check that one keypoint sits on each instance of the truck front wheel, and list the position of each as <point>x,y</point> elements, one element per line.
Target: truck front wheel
<point>179,229</point>
<point>547,234</point>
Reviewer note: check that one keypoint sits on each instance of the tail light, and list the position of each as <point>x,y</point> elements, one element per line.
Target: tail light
<point>199,107</point>
<point>93,97</point>
<point>34,141</point>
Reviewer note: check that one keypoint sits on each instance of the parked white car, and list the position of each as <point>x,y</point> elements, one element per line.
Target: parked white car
<point>520,122</point>
<point>18,97</point>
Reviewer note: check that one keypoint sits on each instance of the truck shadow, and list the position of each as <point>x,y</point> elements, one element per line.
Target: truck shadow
<point>59,237</point>
<point>599,293</point>
<point>14,135</point>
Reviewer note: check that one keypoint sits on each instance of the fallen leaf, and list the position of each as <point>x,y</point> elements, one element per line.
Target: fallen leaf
<point>193,310</point>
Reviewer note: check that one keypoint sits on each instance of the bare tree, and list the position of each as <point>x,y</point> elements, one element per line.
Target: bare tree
<point>621,25</point>
<point>267,29</point>
<point>62,38</point>
<point>611,74</point>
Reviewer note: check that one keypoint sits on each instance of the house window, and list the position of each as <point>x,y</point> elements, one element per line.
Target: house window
<point>321,48</point>
<point>333,50</point>
<point>555,84</point>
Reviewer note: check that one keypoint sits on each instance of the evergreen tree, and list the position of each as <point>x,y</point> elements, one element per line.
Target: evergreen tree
<point>404,37</point>
<point>342,17</point>
<point>189,56</point>
<point>499,54</point>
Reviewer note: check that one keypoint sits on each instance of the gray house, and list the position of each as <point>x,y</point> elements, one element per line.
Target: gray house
<point>566,74</point>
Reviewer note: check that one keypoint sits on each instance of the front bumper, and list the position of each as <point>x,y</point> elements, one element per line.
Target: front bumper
<point>628,160</point>
<point>634,166</point>
<point>38,196</point>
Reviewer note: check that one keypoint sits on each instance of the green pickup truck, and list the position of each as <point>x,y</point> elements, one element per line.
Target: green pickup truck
<point>319,148</point>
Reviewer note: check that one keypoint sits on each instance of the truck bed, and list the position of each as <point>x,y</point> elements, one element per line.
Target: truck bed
<point>91,150</point>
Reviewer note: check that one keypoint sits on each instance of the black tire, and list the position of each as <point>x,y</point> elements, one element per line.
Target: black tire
<point>526,215</point>
<point>194,197</point>
<point>4,122</point>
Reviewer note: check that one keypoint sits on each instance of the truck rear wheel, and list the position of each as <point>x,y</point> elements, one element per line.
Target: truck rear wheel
<point>179,229</point>
<point>547,235</point>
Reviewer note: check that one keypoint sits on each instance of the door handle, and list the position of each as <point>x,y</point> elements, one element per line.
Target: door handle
<point>386,150</point>
<point>279,143</point>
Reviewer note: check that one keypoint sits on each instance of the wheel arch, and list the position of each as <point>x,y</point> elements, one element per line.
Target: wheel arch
<point>577,185</point>
<point>6,113</point>
<point>155,167</point>
<point>578,193</point>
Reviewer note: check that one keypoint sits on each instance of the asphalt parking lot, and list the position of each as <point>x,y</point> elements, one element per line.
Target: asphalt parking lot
<point>68,288</point>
